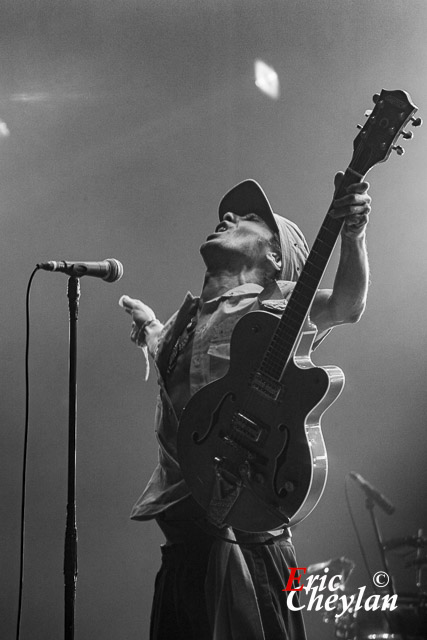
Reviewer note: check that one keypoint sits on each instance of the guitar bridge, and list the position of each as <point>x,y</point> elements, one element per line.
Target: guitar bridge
<point>266,386</point>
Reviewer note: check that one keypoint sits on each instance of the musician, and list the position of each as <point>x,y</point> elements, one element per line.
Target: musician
<point>216,583</point>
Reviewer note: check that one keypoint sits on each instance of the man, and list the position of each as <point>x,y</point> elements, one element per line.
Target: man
<point>216,583</point>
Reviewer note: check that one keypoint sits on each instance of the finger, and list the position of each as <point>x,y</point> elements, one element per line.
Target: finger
<point>358,187</point>
<point>352,199</point>
<point>357,219</point>
<point>352,210</point>
<point>125,302</point>
<point>130,304</point>
<point>135,332</point>
<point>338,179</point>
<point>357,211</point>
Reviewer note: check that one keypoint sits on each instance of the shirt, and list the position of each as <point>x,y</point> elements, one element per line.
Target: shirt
<point>216,320</point>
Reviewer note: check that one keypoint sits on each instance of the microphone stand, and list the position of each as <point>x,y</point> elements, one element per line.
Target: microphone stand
<point>70,549</point>
<point>370,504</point>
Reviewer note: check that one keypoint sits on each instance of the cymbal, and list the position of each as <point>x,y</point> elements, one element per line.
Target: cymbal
<point>408,541</point>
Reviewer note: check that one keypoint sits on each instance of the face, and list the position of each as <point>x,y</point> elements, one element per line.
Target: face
<point>239,240</point>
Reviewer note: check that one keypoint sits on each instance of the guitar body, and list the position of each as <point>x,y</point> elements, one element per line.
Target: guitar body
<point>232,433</point>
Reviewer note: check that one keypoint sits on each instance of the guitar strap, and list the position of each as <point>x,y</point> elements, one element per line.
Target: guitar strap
<point>224,494</point>
<point>168,351</point>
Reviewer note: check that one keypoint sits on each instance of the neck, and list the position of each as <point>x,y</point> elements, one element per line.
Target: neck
<point>215,284</point>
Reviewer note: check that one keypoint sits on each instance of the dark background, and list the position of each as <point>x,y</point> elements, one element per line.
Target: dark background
<point>124,122</point>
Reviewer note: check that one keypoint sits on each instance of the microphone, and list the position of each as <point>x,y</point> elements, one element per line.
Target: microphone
<point>109,269</point>
<point>374,494</point>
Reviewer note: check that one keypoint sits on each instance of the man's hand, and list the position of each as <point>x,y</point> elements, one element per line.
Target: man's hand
<point>141,314</point>
<point>354,207</point>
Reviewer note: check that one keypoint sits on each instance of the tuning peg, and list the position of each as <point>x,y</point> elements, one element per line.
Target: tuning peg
<point>375,97</point>
<point>399,150</point>
<point>416,122</point>
<point>407,135</point>
<point>368,113</point>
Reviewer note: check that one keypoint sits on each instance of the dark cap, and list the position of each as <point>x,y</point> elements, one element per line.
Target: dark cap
<point>248,197</point>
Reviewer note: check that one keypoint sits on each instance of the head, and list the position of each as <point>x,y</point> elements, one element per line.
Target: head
<point>244,246</point>
<point>287,246</point>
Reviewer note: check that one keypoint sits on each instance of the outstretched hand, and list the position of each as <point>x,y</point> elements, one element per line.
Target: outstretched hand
<point>354,207</point>
<point>141,314</point>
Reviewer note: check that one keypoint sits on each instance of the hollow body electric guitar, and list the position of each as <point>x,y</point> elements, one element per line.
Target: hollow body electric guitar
<point>250,444</point>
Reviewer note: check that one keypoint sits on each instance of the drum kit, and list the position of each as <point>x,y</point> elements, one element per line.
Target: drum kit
<point>406,621</point>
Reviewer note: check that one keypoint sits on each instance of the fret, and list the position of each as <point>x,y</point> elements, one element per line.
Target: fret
<point>310,267</point>
<point>321,251</point>
<point>291,322</point>
<point>305,291</point>
<point>307,274</point>
<point>276,348</point>
<point>326,229</point>
<point>325,242</point>
<point>300,290</point>
<point>300,304</point>
<point>274,356</point>
<point>298,309</point>
<point>315,253</point>
<point>318,260</point>
<point>299,301</point>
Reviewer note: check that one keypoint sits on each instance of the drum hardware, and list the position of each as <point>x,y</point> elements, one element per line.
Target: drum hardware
<point>335,566</point>
<point>416,542</point>
<point>408,621</point>
<point>418,562</point>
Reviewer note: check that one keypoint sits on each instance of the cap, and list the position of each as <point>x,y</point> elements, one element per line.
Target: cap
<point>249,197</point>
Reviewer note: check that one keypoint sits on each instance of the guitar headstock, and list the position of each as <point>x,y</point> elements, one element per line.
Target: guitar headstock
<point>377,138</point>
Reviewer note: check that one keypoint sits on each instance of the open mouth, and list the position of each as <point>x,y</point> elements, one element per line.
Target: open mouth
<point>221,228</point>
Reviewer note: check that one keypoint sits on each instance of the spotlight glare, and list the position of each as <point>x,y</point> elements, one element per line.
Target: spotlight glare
<point>4,130</point>
<point>266,79</point>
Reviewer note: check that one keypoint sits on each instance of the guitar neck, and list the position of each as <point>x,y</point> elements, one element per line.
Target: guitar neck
<point>392,112</point>
<point>283,341</point>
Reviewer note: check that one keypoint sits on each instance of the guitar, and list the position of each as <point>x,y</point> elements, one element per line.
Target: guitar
<point>250,444</point>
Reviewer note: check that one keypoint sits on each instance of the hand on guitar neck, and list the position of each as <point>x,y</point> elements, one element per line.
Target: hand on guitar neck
<point>354,207</point>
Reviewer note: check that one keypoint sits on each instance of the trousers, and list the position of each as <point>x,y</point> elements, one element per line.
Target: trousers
<point>211,589</point>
